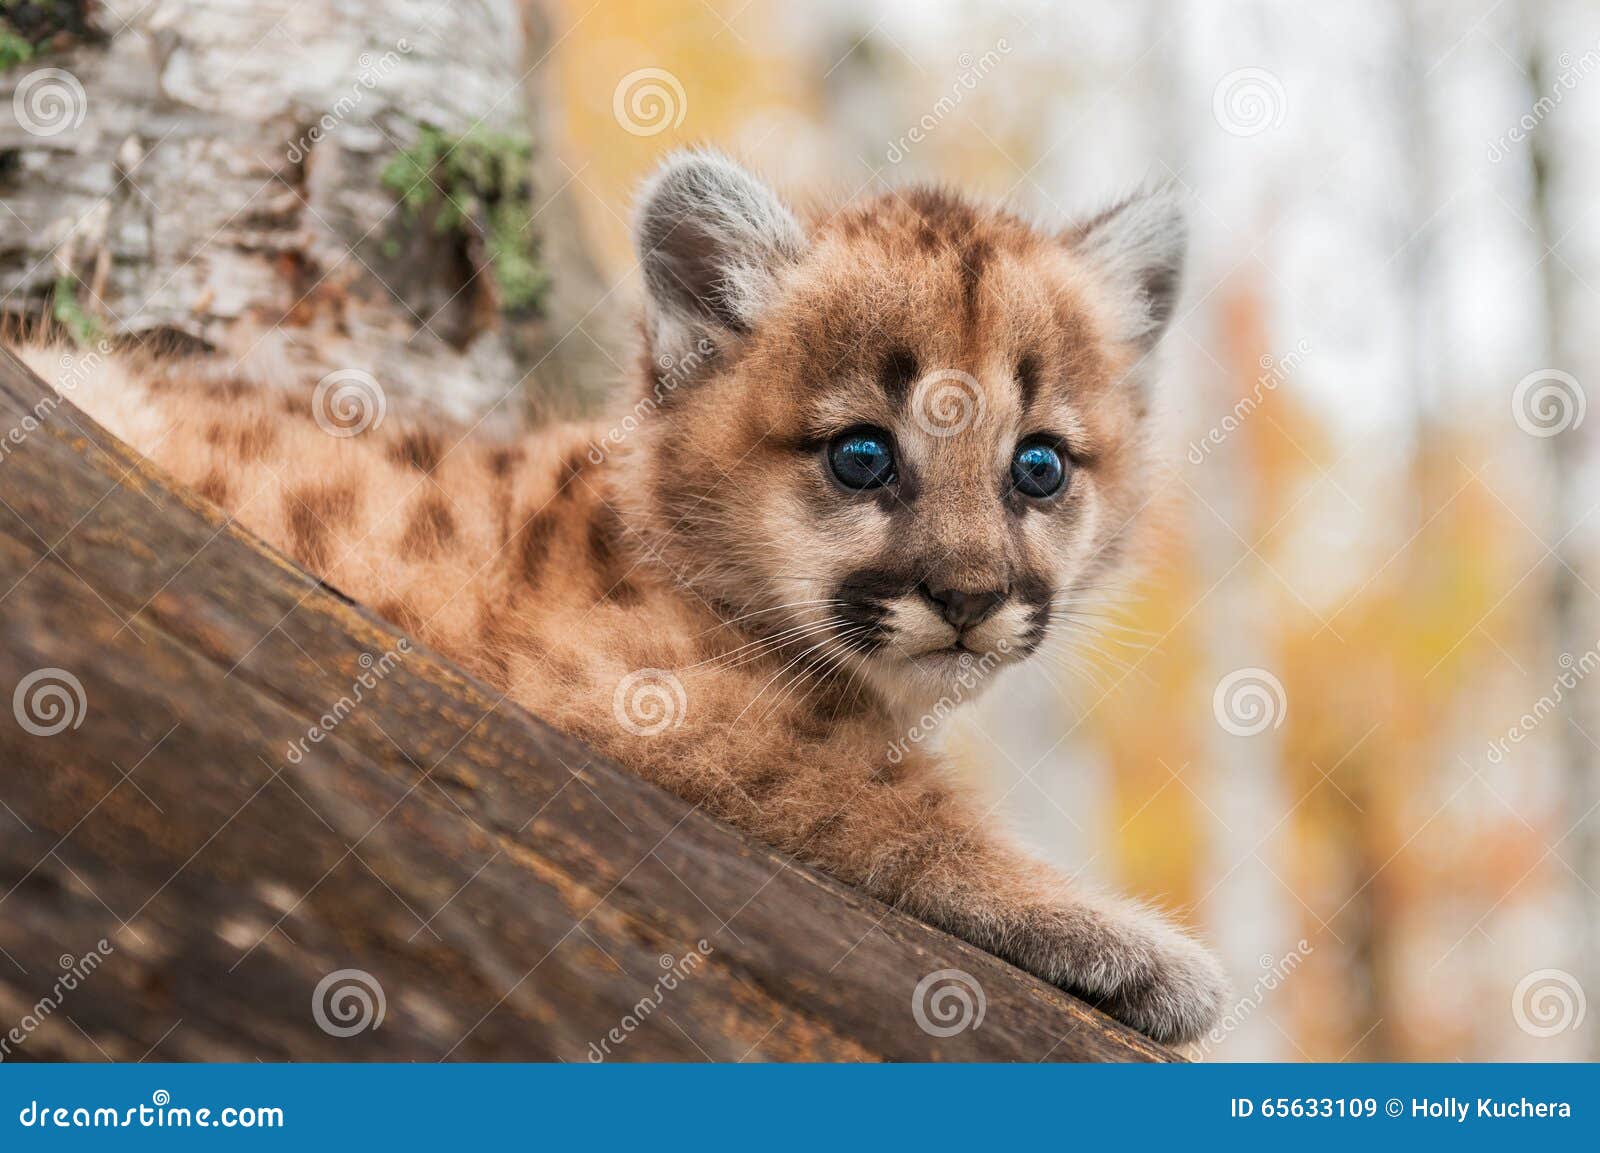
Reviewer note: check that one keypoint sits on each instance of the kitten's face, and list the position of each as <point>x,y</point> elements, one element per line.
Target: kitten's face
<point>918,449</point>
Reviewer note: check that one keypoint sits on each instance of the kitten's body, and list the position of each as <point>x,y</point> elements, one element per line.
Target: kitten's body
<point>690,593</point>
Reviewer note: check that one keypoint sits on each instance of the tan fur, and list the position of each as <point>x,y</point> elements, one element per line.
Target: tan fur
<point>696,540</point>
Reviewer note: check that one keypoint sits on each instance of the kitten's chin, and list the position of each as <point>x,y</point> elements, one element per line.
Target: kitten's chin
<point>939,679</point>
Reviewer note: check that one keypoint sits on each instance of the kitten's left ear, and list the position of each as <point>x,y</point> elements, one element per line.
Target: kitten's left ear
<point>712,241</point>
<point>1138,244</point>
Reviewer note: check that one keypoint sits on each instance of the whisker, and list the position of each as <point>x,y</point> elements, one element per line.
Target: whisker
<point>800,657</point>
<point>818,670</point>
<point>775,608</point>
<point>744,654</point>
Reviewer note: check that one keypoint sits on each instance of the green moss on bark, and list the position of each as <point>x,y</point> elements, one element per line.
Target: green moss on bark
<point>477,186</point>
<point>29,28</point>
<point>68,311</point>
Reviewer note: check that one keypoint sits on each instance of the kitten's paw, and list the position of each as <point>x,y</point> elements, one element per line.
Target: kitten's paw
<point>1133,964</point>
<point>1167,985</point>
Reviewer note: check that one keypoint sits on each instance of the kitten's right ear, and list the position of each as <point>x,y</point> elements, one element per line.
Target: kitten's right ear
<point>712,241</point>
<point>1139,244</point>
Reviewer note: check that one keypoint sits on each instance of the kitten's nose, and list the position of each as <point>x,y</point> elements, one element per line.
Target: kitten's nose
<point>963,608</point>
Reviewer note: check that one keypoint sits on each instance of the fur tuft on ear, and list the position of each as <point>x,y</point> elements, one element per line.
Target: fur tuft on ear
<point>1139,245</point>
<point>712,239</point>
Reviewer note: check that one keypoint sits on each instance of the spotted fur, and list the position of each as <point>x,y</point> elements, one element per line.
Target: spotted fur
<point>686,586</point>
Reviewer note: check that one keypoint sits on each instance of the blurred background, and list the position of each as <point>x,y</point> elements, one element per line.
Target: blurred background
<point>1343,725</point>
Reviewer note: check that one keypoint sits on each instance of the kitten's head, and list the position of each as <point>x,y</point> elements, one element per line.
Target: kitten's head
<point>907,436</point>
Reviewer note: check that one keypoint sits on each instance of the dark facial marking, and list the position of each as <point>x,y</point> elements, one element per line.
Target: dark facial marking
<point>1032,590</point>
<point>864,624</point>
<point>974,256</point>
<point>865,594</point>
<point>1028,379</point>
<point>950,218</point>
<point>1038,626</point>
<point>897,372</point>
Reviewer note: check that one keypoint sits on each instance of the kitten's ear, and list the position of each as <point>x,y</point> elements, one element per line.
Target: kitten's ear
<point>712,240</point>
<point>1139,245</point>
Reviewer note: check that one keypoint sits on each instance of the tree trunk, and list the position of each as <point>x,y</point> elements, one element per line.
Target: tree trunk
<point>1571,628</point>
<point>302,186</point>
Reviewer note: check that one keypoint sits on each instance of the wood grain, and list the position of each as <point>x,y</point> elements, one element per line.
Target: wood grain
<point>514,895</point>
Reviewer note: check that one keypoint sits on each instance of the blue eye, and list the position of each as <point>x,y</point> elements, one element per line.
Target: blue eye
<point>862,459</point>
<point>1037,470</point>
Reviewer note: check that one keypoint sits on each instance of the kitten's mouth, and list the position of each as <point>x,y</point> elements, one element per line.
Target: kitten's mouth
<point>940,657</point>
<point>958,652</point>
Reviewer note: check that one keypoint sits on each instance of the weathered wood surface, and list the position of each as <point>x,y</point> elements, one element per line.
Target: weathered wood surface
<point>514,896</point>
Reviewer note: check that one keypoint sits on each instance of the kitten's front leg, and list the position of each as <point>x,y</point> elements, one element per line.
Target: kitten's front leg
<point>1126,959</point>
<point>901,834</point>
<point>916,844</point>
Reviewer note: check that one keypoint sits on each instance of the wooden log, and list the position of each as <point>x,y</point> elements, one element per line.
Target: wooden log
<point>248,783</point>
